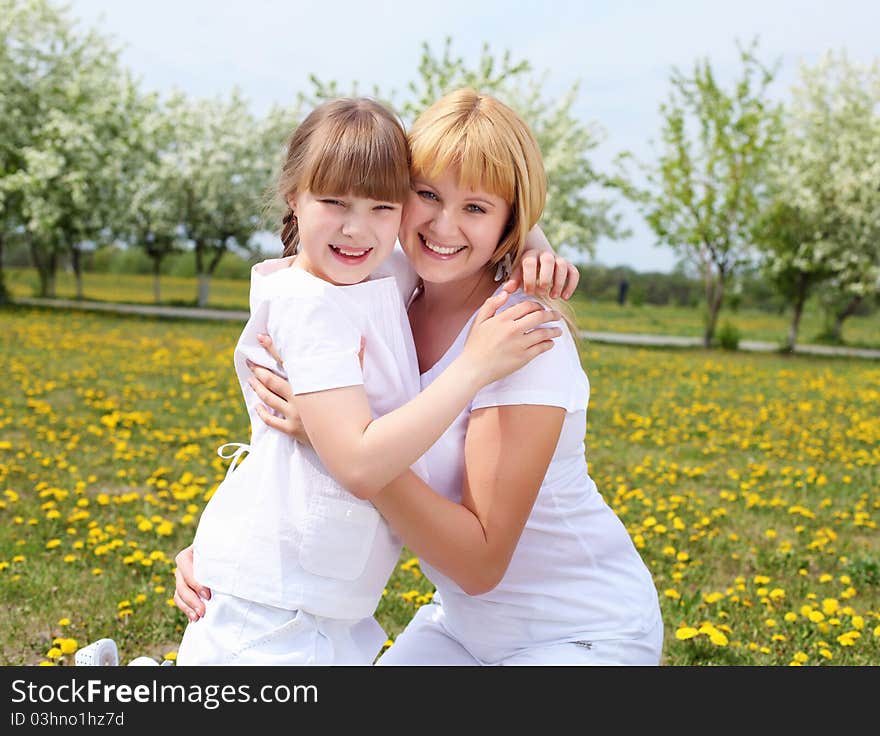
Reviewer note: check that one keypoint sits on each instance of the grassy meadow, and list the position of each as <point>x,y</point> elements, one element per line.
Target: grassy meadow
<point>749,482</point>
<point>753,324</point>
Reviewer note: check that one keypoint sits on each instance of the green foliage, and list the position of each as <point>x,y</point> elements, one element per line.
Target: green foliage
<point>571,217</point>
<point>728,336</point>
<point>823,224</point>
<point>707,184</point>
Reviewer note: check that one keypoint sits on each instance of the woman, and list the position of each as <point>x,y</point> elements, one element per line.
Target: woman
<point>529,563</point>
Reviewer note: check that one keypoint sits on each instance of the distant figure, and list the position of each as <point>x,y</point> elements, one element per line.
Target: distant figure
<point>621,292</point>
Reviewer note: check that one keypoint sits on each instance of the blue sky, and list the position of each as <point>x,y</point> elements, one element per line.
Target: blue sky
<point>621,53</point>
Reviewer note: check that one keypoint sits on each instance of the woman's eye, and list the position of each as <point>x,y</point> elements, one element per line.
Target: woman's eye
<point>475,208</point>
<point>425,194</point>
<point>386,207</point>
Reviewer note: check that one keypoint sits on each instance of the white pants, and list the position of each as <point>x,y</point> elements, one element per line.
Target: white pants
<point>235,631</point>
<point>426,641</point>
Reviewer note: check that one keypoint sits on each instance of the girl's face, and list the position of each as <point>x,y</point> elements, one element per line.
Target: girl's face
<point>449,232</point>
<point>342,239</point>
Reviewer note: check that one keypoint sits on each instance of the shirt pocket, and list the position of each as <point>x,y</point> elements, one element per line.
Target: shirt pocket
<point>337,537</point>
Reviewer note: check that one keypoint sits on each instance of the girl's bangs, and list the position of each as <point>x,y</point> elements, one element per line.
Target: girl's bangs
<point>360,159</point>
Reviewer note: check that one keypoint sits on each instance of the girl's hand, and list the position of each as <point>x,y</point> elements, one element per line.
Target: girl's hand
<point>546,274</point>
<point>276,393</point>
<point>189,596</point>
<point>499,344</point>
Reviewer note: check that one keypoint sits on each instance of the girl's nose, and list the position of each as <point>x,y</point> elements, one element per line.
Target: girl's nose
<point>351,226</point>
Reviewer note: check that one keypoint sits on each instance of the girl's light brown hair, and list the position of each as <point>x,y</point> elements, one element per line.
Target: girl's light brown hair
<point>494,150</point>
<point>346,146</point>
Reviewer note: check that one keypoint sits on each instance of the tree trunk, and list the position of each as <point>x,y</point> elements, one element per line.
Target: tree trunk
<point>5,296</point>
<point>714,298</point>
<point>157,260</point>
<point>848,311</point>
<point>46,268</point>
<point>76,262</point>
<point>798,312</point>
<point>204,287</point>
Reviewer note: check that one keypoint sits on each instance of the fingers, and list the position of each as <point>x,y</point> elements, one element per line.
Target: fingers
<point>490,306</point>
<point>533,320</point>
<point>270,420</point>
<point>273,401</point>
<point>574,276</point>
<point>269,346</point>
<point>529,269</point>
<point>542,334</point>
<point>525,307</point>
<point>545,273</point>
<point>187,599</point>
<point>560,275</point>
<point>272,381</point>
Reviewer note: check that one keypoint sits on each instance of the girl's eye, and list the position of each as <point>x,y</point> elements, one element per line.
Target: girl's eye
<point>475,208</point>
<point>333,201</point>
<point>385,207</point>
<point>425,194</point>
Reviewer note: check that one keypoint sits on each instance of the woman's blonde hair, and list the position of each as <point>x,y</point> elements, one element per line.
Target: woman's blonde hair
<point>494,150</point>
<point>348,145</point>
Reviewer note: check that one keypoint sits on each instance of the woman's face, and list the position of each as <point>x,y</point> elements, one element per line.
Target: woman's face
<point>449,232</point>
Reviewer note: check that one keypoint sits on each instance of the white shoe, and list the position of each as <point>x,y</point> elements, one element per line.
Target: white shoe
<point>101,653</point>
<point>143,662</point>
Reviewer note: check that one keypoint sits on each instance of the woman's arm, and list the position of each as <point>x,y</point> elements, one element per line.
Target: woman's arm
<point>541,271</point>
<point>507,452</point>
<point>365,454</point>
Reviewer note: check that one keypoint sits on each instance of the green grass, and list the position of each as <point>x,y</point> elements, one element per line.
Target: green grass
<point>748,481</point>
<point>591,315</point>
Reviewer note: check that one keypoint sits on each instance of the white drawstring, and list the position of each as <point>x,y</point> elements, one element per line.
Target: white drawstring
<point>242,448</point>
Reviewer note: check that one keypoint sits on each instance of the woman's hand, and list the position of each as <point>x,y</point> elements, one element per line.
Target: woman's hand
<point>189,596</point>
<point>277,394</point>
<point>500,343</point>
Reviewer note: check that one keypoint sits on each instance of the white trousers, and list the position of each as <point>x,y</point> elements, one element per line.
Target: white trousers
<point>235,631</point>
<point>426,641</point>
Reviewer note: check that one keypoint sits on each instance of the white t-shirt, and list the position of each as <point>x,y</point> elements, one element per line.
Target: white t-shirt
<point>575,573</point>
<point>279,530</point>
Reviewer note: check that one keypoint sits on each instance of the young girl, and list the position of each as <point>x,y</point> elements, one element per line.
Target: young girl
<point>290,543</point>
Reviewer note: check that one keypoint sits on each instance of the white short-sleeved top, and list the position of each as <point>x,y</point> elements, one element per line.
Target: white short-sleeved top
<point>575,573</point>
<point>280,530</point>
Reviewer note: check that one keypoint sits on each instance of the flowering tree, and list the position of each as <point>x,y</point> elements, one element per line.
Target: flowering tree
<point>66,179</point>
<point>225,159</point>
<point>707,187</point>
<point>154,205</point>
<point>576,215</point>
<point>26,33</point>
<point>824,224</point>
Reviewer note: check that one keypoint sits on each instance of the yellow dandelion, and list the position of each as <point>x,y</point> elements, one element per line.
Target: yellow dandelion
<point>686,632</point>
<point>64,622</point>
<point>68,646</point>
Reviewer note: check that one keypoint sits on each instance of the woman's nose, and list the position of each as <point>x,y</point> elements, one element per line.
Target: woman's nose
<point>444,224</point>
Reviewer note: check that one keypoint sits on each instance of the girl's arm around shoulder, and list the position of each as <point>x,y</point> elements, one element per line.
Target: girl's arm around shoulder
<point>365,454</point>
<point>507,452</point>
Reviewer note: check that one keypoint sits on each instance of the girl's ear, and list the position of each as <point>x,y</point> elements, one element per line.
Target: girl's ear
<point>291,200</point>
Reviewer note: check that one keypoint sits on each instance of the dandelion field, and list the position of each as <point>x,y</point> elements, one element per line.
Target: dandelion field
<point>748,481</point>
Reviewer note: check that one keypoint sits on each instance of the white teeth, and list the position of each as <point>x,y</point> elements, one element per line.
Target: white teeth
<point>441,250</point>
<point>347,252</point>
